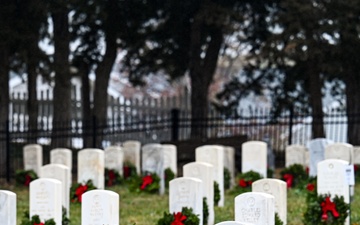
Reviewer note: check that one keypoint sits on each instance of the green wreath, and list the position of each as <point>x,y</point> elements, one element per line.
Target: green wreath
<point>35,219</point>
<point>77,190</point>
<point>205,211</point>
<point>245,180</point>
<point>129,170</point>
<point>185,217</point>
<point>149,183</point>
<point>112,177</point>
<point>169,175</point>
<point>294,175</point>
<point>324,210</point>
<point>217,196</point>
<point>24,177</point>
<point>227,178</point>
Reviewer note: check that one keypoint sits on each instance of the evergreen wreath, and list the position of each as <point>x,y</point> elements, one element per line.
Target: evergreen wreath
<point>245,180</point>
<point>227,178</point>
<point>278,221</point>
<point>185,217</point>
<point>324,210</point>
<point>24,177</point>
<point>77,190</point>
<point>35,220</point>
<point>150,183</point>
<point>169,175</point>
<point>294,175</point>
<point>205,211</point>
<point>112,177</point>
<point>129,170</point>
<point>217,196</point>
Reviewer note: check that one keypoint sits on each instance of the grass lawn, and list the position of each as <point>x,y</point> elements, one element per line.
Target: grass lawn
<point>146,209</point>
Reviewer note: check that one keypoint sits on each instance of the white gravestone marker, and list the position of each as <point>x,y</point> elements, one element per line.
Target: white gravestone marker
<point>254,157</point>
<point>62,156</point>
<point>132,153</point>
<point>153,162</point>
<point>278,189</point>
<point>7,207</point>
<point>229,163</point>
<point>170,157</point>
<point>114,158</point>
<point>186,192</point>
<point>213,154</point>
<point>33,158</point>
<point>255,207</point>
<point>357,155</point>
<point>332,179</point>
<point>45,199</point>
<point>91,166</point>
<point>316,153</point>
<point>342,151</point>
<point>295,154</point>
<point>62,174</point>
<point>204,172</point>
<point>100,207</point>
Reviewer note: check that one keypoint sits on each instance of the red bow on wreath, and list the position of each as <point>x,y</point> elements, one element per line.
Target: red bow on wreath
<point>27,180</point>
<point>326,206</point>
<point>112,177</point>
<point>39,223</point>
<point>178,218</point>
<point>80,190</point>
<point>289,178</point>
<point>146,181</point>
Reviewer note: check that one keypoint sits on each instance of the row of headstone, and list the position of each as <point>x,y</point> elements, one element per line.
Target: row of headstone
<point>98,206</point>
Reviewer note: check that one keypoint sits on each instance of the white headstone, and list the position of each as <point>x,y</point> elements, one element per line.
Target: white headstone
<point>62,174</point>
<point>255,207</point>
<point>342,151</point>
<point>153,162</point>
<point>233,223</point>
<point>186,192</point>
<point>331,179</point>
<point>254,157</point>
<point>295,154</point>
<point>45,199</point>
<point>213,154</point>
<point>114,158</point>
<point>276,188</point>
<point>229,163</point>
<point>33,158</point>
<point>170,157</point>
<point>62,156</point>
<point>316,150</point>
<point>132,153</point>
<point>357,155</point>
<point>100,207</point>
<point>204,172</point>
<point>7,207</point>
<point>91,166</point>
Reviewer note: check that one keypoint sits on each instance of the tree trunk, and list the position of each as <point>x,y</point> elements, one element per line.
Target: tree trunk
<point>32,102</point>
<point>86,108</point>
<point>315,85</point>
<point>352,81</point>
<point>104,69</point>
<point>62,95</point>
<point>101,87</point>
<point>201,73</point>
<point>4,105</point>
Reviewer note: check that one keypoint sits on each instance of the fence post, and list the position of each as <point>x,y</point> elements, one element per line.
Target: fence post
<point>175,114</point>
<point>291,123</point>
<point>94,126</point>
<point>7,151</point>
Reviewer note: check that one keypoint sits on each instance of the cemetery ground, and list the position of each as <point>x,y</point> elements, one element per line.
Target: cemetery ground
<point>147,209</point>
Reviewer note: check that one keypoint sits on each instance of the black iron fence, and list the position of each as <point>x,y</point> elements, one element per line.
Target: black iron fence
<point>173,125</point>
